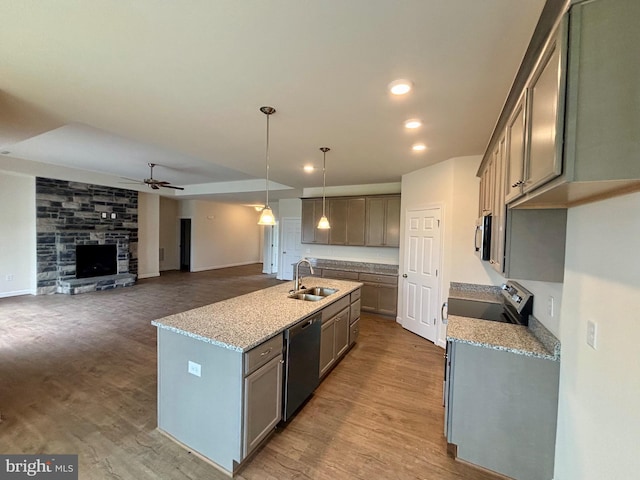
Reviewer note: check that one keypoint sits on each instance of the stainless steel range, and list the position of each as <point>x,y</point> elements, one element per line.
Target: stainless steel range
<point>516,306</point>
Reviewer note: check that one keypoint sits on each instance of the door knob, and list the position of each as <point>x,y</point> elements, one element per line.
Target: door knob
<point>404,275</point>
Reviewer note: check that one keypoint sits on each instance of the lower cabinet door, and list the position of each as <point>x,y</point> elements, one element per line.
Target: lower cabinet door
<point>387,299</point>
<point>342,332</point>
<point>327,345</point>
<point>354,331</point>
<point>262,403</point>
<point>369,297</point>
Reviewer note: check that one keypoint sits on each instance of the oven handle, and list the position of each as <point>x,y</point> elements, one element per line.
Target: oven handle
<point>445,319</point>
<point>475,239</point>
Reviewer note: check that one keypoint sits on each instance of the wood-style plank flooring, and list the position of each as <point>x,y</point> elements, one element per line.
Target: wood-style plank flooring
<point>78,375</point>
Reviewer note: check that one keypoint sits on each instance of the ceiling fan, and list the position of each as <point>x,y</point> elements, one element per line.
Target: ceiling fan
<point>156,184</point>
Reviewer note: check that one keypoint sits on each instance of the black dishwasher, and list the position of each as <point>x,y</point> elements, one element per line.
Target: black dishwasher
<point>302,365</point>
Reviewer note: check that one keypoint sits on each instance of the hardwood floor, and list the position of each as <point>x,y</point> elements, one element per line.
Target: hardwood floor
<point>78,376</point>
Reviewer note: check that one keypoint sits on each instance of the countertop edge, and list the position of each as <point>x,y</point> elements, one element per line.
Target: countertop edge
<point>502,348</point>
<point>245,348</point>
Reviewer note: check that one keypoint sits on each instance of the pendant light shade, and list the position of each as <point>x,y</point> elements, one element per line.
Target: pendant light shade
<point>266,217</point>
<point>323,224</point>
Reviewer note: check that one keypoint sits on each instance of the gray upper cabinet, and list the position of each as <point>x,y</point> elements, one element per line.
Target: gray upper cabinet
<point>515,151</point>
<point>587,149</point>
<point>311,213</point>
<point>546,119</point>
<point>355,221</point>
<point>383,221</point>
<point>499,210</point>
<point>346,216</point>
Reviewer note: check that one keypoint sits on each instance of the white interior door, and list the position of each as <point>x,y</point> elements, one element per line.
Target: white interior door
<point>421,290</point>
<point>291,246</point>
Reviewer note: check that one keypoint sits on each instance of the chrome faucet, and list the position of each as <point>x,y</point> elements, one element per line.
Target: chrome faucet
<point>296,285</point>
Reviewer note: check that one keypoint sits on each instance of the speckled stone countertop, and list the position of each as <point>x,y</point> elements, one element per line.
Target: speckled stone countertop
<point>360,267</point>
<point>470,291</point>
<point>498,336</point>
<point>243,322</point>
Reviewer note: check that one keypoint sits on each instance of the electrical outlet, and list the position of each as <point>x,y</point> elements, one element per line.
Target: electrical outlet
<point>592,334</point>
<point>103,215</point>
<point>113,216</point>
<point>10,277</point>
<point>194,368</point>
<point>550,307</point>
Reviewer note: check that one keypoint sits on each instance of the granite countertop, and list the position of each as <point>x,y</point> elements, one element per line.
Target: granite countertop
<point>360,267</point>
<point>480,293</point>
<point>243,322</point>
<point>516,339</point>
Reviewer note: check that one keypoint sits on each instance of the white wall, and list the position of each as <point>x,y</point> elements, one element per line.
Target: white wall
<point>453,186</point>
<point>222,235</point>
<point>169,231</point>
<point>17,234</point>
<point>598,416</point>
<point>148,235</point>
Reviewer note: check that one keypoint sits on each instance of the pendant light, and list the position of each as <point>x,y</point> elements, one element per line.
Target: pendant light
<point>323,224</point>
<point>266,217</point>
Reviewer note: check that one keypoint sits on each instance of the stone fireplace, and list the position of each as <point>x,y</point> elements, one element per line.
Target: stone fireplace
<point>72,215</point>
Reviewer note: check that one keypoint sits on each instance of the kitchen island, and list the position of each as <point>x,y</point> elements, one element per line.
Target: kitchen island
<point>220,367</point>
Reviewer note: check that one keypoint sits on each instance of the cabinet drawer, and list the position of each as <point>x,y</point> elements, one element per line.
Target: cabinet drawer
<point>339,274</point>
<point>332,310</point>
<point>355,295</point>
<point>373,278</point>
<point>354,331</point>
<point>355,311</point>
<point>260,355</point>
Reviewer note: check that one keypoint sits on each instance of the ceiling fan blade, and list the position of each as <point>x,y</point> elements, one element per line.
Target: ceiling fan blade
<point>171,186</point>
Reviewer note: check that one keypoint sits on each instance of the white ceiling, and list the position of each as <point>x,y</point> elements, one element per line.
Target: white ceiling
<point>109,86</point>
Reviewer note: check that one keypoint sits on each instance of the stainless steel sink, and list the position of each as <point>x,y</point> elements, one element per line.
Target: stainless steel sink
<point>306,296</point>
<point>313,294</point>
<point>321,291</point>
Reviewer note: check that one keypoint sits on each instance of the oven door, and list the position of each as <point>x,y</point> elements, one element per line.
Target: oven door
<point>482,238</point>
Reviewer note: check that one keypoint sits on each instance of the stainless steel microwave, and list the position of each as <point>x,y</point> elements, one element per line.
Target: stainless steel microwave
<point>482,238</point>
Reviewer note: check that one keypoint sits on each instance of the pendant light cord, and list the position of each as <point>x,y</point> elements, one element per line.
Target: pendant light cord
<point>267,166</point>
<point>324,179</point>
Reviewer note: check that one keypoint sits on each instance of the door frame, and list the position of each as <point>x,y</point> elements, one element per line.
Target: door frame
<point>402,264</point>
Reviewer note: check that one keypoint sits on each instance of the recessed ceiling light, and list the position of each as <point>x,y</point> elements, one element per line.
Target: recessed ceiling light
<point>413,123</point>
<point>419,147</point>
<point>309,168</point>
<point>400,87</point>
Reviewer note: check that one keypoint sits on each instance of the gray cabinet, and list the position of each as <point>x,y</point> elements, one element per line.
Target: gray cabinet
<point>515,149</point>
<point>311,213</point>
<point>501,410</point>
<point>262,402</point>
<point>355,221</point>
<point>262,392</point>
<point>383,221</point>
<point>546,118</point>
<point>327,346</point>
<point>499,209</point>
<point>599,91</point>
<point>337,330</point>
<point>379,293</point>
<point>346,216</point>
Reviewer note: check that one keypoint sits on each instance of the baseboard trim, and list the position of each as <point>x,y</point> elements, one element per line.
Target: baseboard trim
<point>216,267</point>
<point>16,293</point>
<point>148,275</point>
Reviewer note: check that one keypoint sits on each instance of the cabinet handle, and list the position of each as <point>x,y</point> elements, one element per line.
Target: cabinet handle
<point>517,184</point>
<point>266,352</point>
